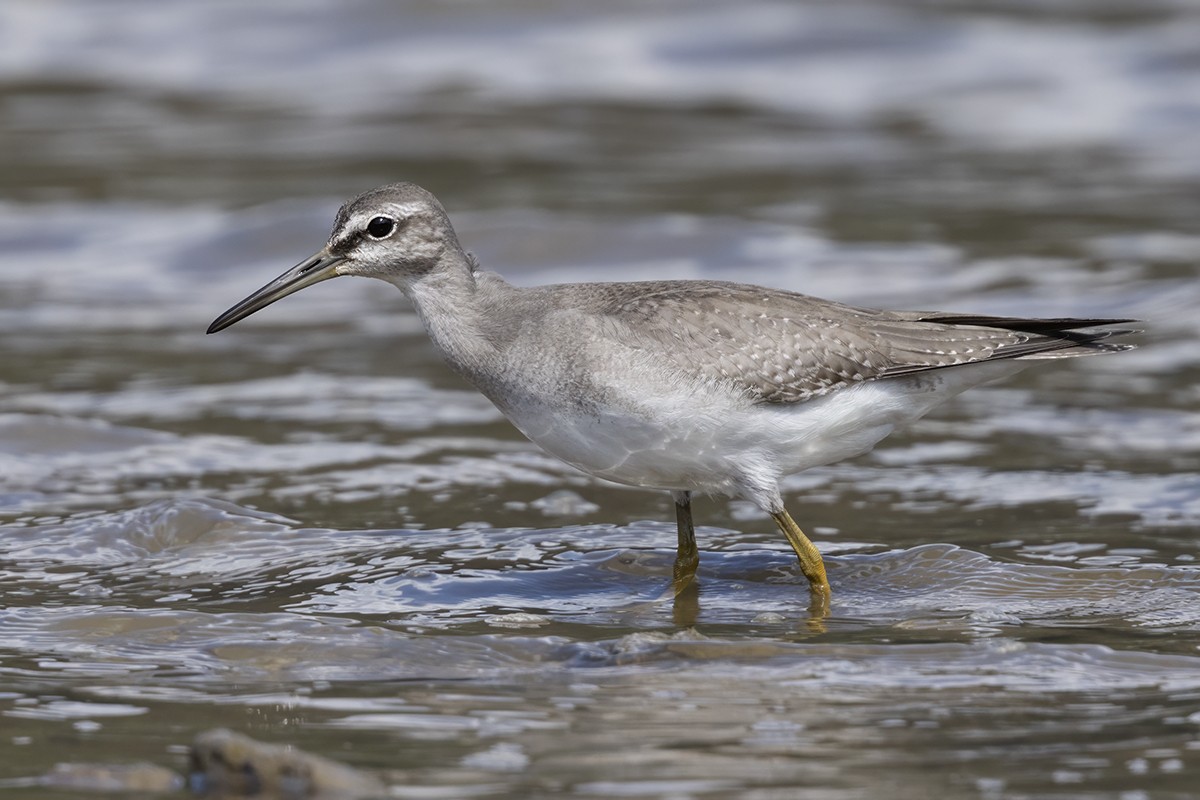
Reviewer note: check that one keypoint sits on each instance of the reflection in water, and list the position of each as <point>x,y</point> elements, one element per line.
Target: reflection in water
<point>204,566</point>
<point>312,533</point>
<point>197,603</point>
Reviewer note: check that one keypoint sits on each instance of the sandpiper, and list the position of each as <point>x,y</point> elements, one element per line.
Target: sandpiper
<point>686,386</point>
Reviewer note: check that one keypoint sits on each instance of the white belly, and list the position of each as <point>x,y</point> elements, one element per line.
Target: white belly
<point>703,440</point>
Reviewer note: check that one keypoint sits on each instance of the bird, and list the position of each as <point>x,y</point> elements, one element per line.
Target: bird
<point>688,386</point>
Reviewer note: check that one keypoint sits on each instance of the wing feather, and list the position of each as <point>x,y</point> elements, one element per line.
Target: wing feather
<point>783,347</point>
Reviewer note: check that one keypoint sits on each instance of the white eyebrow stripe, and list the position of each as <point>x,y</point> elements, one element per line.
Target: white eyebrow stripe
<point>399,213</point>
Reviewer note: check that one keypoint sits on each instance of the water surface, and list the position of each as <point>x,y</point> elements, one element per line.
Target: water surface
<point>308,530</point>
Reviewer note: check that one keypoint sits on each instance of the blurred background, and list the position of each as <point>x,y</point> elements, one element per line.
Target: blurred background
<point>306,528</point>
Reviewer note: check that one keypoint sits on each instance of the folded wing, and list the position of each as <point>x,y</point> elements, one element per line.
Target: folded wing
<point>782,347</point>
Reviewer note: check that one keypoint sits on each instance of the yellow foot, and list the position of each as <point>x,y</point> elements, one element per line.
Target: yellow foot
<point>811,563</point>
<point>684,572</point>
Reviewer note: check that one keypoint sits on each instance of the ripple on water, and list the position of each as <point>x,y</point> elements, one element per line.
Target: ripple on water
<point>397,403</point>
<point>1021,666</point>
<point>931,585</point>
<point>956,78</point>
<point>1147,500</point>
<point>48,463</point>
<point>205,588</point>
<point>361,633</point>
<point>188,525</point>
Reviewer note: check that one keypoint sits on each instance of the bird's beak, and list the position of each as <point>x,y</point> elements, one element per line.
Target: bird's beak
<point>306,273</point>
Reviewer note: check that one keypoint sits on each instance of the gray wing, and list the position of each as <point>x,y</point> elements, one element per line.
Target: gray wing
<point>782,347</point>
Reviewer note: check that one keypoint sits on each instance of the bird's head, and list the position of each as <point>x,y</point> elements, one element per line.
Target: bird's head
<point>399,233</point>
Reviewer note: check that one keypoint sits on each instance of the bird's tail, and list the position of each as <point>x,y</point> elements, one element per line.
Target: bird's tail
<point>1061,337</point>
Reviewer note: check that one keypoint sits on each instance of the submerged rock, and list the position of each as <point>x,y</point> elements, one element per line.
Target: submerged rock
<point>123,778</point>
<point>228,764</point>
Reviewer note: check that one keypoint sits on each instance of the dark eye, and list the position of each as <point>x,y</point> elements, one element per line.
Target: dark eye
<point>381,227</point>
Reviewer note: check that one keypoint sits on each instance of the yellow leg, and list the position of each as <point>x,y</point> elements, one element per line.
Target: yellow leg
<point>810,560</point>
<point>687,557</point>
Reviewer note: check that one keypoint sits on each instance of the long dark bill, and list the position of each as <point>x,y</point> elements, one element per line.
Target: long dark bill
<point>306,273</point>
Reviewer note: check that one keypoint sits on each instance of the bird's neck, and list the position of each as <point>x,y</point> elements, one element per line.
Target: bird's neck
<point>455,308</point>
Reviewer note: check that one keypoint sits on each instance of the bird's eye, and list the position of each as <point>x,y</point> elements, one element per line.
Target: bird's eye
<point>381,227</point>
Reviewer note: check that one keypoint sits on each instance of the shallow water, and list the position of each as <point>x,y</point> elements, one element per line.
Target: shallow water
<point>307,529</point>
